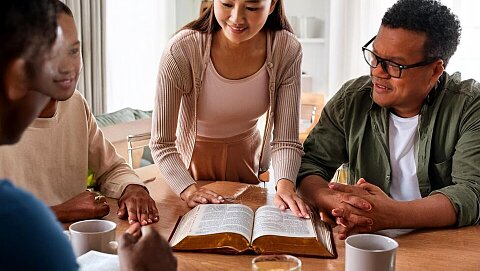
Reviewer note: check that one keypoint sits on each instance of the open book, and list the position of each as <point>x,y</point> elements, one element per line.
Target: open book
<point>235,228</point>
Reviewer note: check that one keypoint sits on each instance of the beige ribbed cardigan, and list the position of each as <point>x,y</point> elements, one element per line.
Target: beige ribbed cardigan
<point>180,78</point>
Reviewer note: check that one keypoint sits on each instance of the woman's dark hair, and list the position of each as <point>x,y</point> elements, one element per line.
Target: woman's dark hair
<point>441,26</point>
<point>27,30</point>
<point>60,8</point>
<point>207,23</point>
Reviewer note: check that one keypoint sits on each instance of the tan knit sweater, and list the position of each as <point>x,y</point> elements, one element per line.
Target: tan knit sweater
<point>53,156</point>
<point>180,79</point>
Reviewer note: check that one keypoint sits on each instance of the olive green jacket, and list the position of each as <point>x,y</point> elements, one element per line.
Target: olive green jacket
<point>354,129</point>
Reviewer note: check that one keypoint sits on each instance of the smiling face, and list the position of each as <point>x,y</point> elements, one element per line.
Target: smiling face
<point>241,20</point>
<point>55,77</point>
<point>64,62</point>
<point>25,94</point>
<point>404,95</point>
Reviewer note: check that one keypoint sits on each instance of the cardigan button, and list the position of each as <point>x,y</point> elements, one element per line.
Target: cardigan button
<point>270,65</point>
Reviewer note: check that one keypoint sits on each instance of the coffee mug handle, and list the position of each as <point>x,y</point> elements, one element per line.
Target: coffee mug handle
<point>113,246</point>
<point>67,234</point>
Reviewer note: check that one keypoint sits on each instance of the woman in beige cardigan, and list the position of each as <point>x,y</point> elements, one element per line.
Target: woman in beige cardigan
<point>217,77</point>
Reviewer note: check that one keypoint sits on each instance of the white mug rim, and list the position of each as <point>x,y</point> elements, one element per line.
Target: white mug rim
<point>287,257</point>
<point>111,223</point>
<point>365,235</point>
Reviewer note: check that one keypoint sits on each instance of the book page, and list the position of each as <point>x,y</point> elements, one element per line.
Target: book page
<point>269,220</point>
<point>184,226</point>
<point>218,218</point>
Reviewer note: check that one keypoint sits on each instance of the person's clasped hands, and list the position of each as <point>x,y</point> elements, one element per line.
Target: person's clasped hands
<point>361,208</point>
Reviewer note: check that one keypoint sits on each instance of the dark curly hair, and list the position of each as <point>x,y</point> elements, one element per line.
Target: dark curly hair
<point>441,26</point>
<point>28,30</point>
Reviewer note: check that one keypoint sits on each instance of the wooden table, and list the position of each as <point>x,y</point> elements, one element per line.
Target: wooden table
<point>444,249</point>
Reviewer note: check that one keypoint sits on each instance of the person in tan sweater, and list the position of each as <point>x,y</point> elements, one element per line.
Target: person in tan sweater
<point>64,142</point>
<point>237,62</point>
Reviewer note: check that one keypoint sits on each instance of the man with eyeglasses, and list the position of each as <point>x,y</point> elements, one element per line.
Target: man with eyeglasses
<point>409,132</point>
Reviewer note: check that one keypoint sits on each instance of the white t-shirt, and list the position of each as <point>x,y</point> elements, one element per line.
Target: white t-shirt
<point>402,141</point>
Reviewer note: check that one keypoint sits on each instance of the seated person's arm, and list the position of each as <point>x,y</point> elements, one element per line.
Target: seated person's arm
<point>86,205</point>
<point>116,178</point>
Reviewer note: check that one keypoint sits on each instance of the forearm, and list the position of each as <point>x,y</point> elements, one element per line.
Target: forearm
<point>61,214</point>
<point>286,163</point>
<point>66,214</point>
<point>314,189</point>
<point>114,182</point>
<point>429,212</point>
<point>174,172</point>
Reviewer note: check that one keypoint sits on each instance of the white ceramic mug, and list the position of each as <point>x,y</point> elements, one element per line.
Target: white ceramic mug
<point>92,234</point>
<point>370,252</point>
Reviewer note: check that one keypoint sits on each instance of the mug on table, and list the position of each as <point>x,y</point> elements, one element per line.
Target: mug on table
<point>370,252</point>
<point>94,234</point>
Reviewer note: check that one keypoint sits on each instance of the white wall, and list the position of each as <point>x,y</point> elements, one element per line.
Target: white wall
<point>136,33</point>
<point>315,61</point>
<point>186,11</point>
<point>467,58</point>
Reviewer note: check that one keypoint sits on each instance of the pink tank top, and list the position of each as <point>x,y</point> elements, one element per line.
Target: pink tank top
<point>230,107</point>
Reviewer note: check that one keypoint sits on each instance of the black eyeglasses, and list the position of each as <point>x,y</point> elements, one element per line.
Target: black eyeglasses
<point>391,68</point>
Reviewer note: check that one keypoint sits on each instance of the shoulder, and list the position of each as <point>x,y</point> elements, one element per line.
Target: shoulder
<point>36,240</point>
<point>284,38</point>
<point>361,85</point>
<point>185,40</point>
<point>355,88</point>
<point>461,93</point>
<point>455,84</point>
<point>76,107</point>
<point>285,42</point>
<point>353,92</point>
<point>77,99</point>
<point>16,203</point>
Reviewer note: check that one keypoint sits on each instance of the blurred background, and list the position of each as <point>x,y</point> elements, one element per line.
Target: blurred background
<point>123,41</point>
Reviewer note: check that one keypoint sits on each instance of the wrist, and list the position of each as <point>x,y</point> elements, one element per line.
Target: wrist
<point>285,185</point>
<point>402,214</point>
<point>60,213</point>
<point>185,195</point>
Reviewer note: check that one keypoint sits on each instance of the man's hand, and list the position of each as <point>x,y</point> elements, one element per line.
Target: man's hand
<point>195,196</point>
<point>363,208</point>
<point>137,205</point>
<point>86,205</point>
<point>286,197</point>
<point>316,190</point>
<point>143,249</point>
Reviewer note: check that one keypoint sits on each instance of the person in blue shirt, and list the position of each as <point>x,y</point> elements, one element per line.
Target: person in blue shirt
<point>31,238</point>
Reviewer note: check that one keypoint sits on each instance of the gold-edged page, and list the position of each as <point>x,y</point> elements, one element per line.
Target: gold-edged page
<point>184,226</point>
<point>221,218</point>
<point>269,220</point>
<point>281,232</point>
